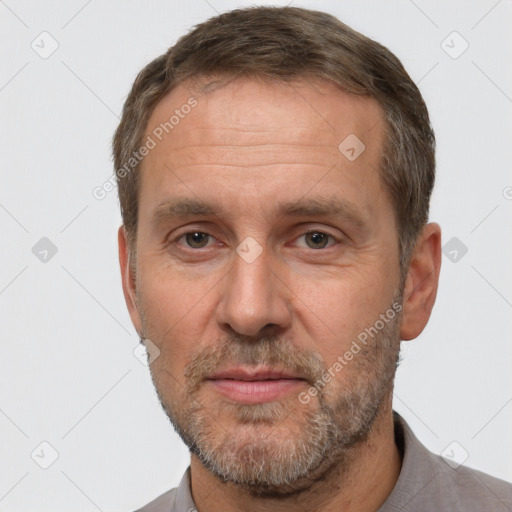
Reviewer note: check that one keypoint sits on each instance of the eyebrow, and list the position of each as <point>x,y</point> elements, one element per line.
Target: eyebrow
<point>182,208</point>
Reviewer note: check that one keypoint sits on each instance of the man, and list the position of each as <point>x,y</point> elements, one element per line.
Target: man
<point>275,170</point>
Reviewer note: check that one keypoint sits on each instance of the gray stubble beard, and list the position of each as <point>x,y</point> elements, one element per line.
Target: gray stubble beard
<point>325,437</point>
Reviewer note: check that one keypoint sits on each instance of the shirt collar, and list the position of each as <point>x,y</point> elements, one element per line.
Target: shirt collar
<point>183,501</point>
<point>417,468</point>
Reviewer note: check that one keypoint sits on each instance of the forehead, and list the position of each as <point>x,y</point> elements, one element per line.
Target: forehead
<point>276,139</point>
<point>297,111</point>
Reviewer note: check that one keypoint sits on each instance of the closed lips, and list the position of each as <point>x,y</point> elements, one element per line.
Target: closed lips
<point>247,375</point>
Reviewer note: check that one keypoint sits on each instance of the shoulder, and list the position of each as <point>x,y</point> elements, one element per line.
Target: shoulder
<point>428,482</point>
<point>161,504</point>
<point>178,499</point>
<point>463,486</point>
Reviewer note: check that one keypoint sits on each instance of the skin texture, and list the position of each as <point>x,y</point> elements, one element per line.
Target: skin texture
<point>299,305</point>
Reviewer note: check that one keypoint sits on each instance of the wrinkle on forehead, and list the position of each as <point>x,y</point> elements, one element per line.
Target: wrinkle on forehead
<point>287,133</point>
<point>247,112</point>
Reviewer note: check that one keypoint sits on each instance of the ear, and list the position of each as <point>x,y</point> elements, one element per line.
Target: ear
<point>128,279</point>
<point>421,283</point>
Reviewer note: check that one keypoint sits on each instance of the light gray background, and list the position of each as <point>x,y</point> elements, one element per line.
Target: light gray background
<point>68,375</point>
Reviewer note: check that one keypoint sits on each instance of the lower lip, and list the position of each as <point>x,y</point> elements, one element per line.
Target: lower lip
<point>256,391</point>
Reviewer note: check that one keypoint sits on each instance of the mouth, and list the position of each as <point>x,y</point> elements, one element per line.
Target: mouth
<point>255,385</point>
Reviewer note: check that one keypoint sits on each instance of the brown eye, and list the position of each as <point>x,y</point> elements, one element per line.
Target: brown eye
<point>316,239</point>
<point>196,239</point>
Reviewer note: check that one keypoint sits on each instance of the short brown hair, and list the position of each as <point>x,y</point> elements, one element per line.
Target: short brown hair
<point>285,44</point>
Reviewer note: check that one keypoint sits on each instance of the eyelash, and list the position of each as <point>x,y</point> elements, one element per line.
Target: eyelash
<point>183,235</point>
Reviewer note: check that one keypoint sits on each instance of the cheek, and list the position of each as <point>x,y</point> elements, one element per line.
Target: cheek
<point>336,310</point>
<point>350,297</point>
<point>176,313</point>
<point>168,298</point>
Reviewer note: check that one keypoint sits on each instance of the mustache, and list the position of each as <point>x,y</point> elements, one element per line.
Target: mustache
<point>238,350</point>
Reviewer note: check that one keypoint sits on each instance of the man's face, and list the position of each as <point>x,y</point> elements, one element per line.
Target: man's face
<point>250,303</point>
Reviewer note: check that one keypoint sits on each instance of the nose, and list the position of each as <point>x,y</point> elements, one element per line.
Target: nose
<point>254,298</point>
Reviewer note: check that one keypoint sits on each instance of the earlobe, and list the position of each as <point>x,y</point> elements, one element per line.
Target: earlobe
<point>421,283</point>
<point>128,278</point>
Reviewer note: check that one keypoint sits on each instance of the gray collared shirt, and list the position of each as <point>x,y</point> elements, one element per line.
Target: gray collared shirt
<point>427,483</point>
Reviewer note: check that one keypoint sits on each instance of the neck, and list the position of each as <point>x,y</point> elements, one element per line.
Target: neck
<point>361,482</point>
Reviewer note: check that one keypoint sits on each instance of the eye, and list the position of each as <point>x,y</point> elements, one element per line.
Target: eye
<point>199,240</point>
<point>195,239</point>
<point>316,239</point>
